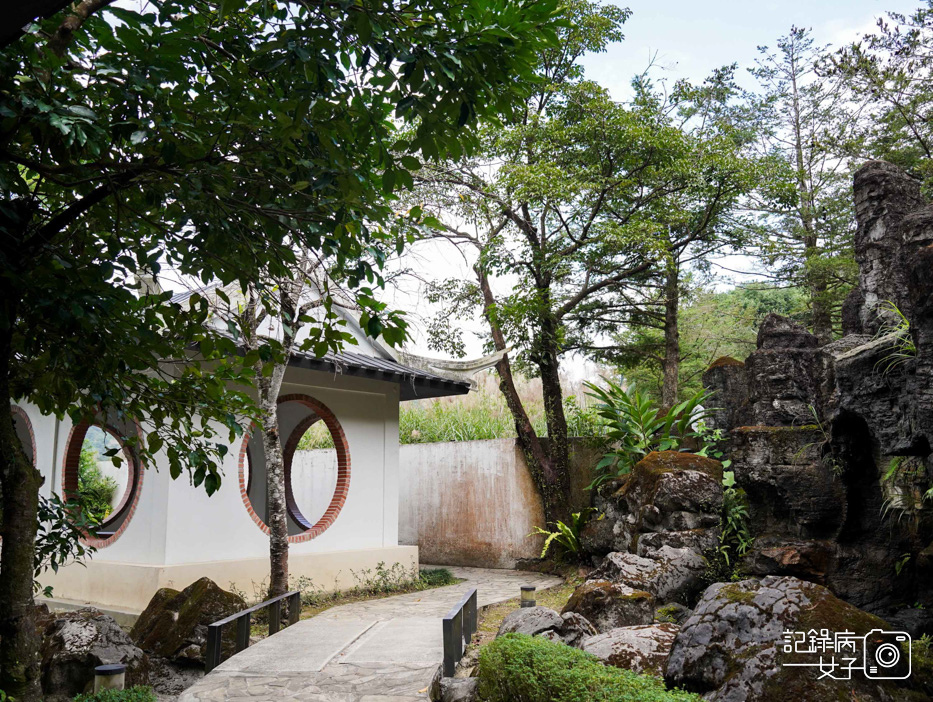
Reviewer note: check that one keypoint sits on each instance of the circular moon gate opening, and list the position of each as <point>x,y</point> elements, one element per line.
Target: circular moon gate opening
<point>108,491</point>
<point>316,481</point>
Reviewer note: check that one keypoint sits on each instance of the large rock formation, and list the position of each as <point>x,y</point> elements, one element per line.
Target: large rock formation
<point>656,524</point>
<point>74,643</point>
<point>174,624</point>
<point>819,427</point>
<point>733,649</point>
<point>669,499</point>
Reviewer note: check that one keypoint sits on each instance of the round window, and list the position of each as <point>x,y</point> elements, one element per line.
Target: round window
<point>317,468</point>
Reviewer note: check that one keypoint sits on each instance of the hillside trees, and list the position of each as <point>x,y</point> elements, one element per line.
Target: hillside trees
<point>891,69</point>
<point>209,155</point>
<point>561,211</point>
<point>807,219</point>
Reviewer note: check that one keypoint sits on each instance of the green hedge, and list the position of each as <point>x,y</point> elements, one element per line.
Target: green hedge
<point>132,694</point>
<point>519,668</point>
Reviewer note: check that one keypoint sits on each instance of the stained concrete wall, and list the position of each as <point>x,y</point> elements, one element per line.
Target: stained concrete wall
<point>474,503</point>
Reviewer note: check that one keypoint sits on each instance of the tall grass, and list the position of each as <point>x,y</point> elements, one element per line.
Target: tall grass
<point>481,414</point>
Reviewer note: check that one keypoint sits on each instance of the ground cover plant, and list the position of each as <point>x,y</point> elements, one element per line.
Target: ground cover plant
<point>138,693</point>
<point>519,668</point>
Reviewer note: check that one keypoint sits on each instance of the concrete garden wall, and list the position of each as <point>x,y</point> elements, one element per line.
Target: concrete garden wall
<point>467,503</point>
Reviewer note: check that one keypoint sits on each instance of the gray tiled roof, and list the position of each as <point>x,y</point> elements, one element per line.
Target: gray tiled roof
<point>415,383</point>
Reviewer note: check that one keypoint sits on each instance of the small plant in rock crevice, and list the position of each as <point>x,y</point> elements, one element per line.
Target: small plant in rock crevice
<point>903,347</point>
<point>735,537</point>
<point>908,488</point>
<point>566,536</point>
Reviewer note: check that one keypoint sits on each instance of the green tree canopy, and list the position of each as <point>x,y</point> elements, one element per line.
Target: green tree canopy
<point>212,140</point>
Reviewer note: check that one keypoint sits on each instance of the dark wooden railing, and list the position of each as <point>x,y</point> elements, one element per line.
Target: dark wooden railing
<point>459,626</point>
<point>244,622</point>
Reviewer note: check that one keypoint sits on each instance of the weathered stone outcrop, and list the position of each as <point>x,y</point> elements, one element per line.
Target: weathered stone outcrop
<point>888,205</point>
<point>669,499</point>
<point>570,627</point>
<point>786,375</point>
<point>731,648</point>
<point>826,423</point>
<point>76,642</point>
<point>727,380</point>
<point>609,605</point>
<point>643,649</point>
<point>174,624</point>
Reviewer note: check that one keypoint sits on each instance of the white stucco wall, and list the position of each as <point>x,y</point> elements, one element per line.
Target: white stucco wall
<point>176,524</point>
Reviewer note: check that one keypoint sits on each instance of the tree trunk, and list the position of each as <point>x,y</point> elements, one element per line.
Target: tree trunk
<point>276,514</point>
<point>821,318</point>
<point>19,640</point>
<point>558,444</point>
<point>544,472</point>
<point>671,364</point>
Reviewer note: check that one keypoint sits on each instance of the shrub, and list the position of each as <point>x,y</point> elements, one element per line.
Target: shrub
<point>437,577</point>
<point>519,668</point>
<point>132,694</point>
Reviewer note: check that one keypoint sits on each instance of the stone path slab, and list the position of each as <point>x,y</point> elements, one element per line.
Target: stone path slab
<point>375,651</point>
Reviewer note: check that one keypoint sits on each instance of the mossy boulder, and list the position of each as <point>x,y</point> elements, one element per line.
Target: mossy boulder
<point>670,574</point>
<point>731,647</point>
<point>174,624</point>
<point>643,649</point>
<point>610,605</point>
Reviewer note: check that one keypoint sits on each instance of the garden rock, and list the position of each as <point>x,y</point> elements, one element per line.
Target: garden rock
<point>730,647</point>
<point>671,574</point>
<point>607,605</point>
<point>76,642</point>
<point>174,624</point>
<point>530,621</point>
<point>458,689</point>
<point>643,649</point>
<point>726,380</point>
<point>575,629</point>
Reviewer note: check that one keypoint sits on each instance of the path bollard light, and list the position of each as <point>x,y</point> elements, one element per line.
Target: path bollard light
<point>109,677</point>
<point>528,595</point>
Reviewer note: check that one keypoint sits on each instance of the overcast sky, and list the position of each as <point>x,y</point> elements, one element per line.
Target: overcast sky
<point>688,40</point>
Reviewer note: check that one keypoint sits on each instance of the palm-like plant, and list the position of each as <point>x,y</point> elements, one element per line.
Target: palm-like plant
<point>636,426</point>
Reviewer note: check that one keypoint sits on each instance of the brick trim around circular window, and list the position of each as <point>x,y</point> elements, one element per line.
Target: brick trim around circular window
<point>343,470</point>
<point>71,466</point>
<point>20,412</point>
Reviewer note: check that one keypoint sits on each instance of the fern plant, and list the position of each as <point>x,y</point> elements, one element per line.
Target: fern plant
<point>566,536</point>
<point>635,426</point>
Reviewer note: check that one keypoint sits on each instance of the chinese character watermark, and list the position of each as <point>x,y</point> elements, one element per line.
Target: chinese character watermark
<point>878,655</point>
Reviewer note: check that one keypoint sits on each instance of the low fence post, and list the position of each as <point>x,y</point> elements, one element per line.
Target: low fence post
<point>458,628</point>
<point>294,607</point>
<point>275,617</point>
<point>243,626</point>
<point>212,657</point>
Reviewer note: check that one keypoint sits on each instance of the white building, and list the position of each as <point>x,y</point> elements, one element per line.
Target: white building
<point>167,533</point>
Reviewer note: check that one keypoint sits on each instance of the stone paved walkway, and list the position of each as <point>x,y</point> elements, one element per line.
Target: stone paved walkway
<point>377,651</point>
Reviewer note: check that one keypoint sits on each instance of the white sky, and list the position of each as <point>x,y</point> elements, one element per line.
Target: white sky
<point>688,40</point>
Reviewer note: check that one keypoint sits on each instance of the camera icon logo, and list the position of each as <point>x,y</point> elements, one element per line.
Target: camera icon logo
<point>887,655</point>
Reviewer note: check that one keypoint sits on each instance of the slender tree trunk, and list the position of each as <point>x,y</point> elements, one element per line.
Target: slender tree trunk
<point>544,472</point>
<point>19,640</point>
<point>821,316</point>
<point>276,514</point>
<point>558,444</point>
<point>671,365</point>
